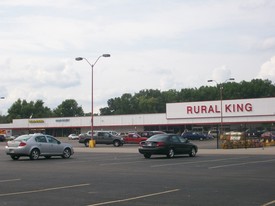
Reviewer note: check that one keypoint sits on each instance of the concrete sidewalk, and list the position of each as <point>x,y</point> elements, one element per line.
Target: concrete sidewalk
<point>248,151</point>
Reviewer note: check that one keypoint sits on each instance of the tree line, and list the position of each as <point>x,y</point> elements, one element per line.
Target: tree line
<point>154,101</point>
<point>145,101</point>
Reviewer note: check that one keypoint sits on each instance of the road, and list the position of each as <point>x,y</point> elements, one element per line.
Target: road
<point>106,175</point>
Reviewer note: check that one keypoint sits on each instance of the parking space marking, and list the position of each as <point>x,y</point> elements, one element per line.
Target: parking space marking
<point>42,190</point>
<point>269,203</point>
<point>120,163</point>
<point>195,162</point>
<point>10,180</point>
<point>240,164</point>
<point>135,198</point>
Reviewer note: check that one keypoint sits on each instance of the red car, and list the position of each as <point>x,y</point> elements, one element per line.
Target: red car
<point>270,135</point>
<point>133,138</point>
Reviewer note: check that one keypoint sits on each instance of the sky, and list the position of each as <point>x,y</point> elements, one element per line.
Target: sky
<point>154,44</point>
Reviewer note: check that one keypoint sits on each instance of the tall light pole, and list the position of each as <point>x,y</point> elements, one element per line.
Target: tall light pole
<point>2,97</point>
<point>92,87</point>
<point>220,85</point>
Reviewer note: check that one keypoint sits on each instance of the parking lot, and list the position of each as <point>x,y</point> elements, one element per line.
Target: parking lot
<point>106,175</point>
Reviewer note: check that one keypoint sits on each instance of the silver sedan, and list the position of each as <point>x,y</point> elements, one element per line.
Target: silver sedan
<point>36,145</point>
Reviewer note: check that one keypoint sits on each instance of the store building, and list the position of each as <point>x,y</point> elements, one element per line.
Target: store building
<point>230,114</point>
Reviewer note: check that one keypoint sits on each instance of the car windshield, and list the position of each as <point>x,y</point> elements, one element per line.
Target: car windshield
<point>23,137</point>
<point>158,137</point>
<point>182,139</point>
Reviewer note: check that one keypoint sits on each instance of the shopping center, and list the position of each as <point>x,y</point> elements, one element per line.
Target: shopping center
<point>237,115</point>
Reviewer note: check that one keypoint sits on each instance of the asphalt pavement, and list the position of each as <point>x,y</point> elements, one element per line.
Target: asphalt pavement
<point>205,147</point>
<point>120,176</point>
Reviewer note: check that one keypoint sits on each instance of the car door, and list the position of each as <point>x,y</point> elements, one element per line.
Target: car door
<point>99,138</point>
<point>42,144</point>
<point>176,144</point>
<point>54,146</point>
<point>107,138</point>
<point>185,145</point>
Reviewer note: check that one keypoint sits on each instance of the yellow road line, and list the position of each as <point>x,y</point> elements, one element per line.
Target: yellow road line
<point>135,198</point>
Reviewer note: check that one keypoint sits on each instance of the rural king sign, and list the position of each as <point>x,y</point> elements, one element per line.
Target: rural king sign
<point>227,108</point>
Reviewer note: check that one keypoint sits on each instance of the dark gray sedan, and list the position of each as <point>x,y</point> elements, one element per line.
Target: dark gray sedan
<point>36,145</point>
<point>167,144</point>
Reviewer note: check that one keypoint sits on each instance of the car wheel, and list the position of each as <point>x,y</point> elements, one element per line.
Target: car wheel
<point>147,156</point>
<point>193,152</point>
<point>171,153</point>
<point>66,153</point>
<point>86,144</point>
<point>34,154</point>
<point>116,143</point>
<point>15,157</point>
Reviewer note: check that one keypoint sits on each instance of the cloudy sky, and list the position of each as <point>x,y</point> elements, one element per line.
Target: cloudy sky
<point>154,44</point>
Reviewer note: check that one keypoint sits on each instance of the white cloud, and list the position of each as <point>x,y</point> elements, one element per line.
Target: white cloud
<point>268,43</point>
<point>268,70</point>
<point>154,44</point>
<point>221,74</point>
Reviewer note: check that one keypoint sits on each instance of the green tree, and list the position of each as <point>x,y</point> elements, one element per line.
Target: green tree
<point>3,119</point>
<point>22,109</point>
<point>154,101</point>
<point>40,110</point>
<point>68,108</point>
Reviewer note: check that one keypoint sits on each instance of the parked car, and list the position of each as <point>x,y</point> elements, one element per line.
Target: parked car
<point>109,131</point>
<point>8,138</point>
<point>133,138</point>
<point>73,137</point>
<point>196,136</point>
<point>2,138</point>
<point>167,144</point>
<point>269,135</point>
<point>150,133</point>
<point>102,137</point>
<point>214,133</point>
<point>254,132</point>
<point>36,145</point>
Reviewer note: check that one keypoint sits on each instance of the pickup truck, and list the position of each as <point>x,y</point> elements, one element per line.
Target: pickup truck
<point>101,137</point>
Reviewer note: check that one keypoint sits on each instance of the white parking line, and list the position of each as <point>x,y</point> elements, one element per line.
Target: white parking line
<point>10,180</point>
<point>239,164</point>
<point>120,163</point>
<point>42,190</point>
<point>269,203</point>
<point>134,198</point>
<point>195,162</point>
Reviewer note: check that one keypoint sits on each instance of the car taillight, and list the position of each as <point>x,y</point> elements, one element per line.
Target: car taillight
<point>160,144</point>
<point>22,144</point>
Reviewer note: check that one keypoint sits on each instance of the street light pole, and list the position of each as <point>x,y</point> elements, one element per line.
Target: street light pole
<point>2,97</point>
<point>92,87</point>
<point>220,85</point>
